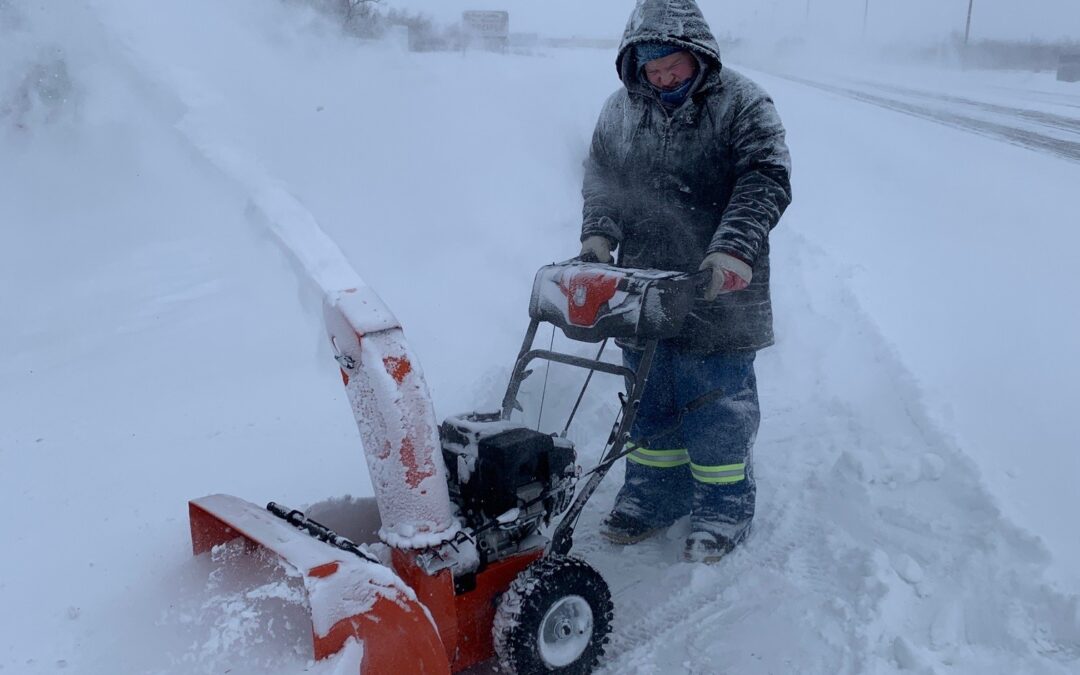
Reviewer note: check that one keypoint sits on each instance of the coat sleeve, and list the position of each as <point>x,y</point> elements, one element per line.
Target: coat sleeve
<point>762,181</point>
<point>600,214</point>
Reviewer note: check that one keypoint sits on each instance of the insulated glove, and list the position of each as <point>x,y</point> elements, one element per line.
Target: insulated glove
<point>598,246</point>
<point>728,274</point>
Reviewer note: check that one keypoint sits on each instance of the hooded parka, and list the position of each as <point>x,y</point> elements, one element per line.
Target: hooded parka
<point>669,186</point>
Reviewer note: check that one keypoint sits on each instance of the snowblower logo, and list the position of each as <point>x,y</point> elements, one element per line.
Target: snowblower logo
<point>587,293</point>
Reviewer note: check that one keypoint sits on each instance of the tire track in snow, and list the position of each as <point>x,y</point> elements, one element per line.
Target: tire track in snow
<point>1025,138</point>
<point>1047,119</point>
<point>1053,98</point>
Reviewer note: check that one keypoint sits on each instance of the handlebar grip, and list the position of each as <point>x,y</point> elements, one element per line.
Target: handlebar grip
<point>702,279</point>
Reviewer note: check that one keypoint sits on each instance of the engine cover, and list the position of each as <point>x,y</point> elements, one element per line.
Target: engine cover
<point>495,465</point>
<point>514,459</point>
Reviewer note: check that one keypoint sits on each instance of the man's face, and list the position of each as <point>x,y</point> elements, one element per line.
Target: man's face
<point>671,71</point>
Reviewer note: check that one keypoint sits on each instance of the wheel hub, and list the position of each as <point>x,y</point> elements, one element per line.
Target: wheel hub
<point>565,631</point>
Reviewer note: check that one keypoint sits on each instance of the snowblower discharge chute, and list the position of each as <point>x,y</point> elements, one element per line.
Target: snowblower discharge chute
<point>465,571</point>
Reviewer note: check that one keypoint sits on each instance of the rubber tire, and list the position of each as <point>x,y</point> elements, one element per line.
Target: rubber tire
<point>523,606</point>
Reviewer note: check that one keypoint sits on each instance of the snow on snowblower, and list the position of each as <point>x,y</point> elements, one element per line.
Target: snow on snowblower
<point>464,505</point>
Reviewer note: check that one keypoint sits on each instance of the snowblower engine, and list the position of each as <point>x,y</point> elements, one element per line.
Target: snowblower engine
<point>506,480</point>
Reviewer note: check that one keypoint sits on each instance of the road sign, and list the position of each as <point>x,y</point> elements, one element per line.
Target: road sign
<point>487,25</point>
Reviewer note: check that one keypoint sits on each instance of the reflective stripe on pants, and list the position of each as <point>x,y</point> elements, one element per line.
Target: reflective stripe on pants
<point>723,474</point>
<point>658,459</point>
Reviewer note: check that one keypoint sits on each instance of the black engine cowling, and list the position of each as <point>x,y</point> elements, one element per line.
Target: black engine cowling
<point>495,466</point>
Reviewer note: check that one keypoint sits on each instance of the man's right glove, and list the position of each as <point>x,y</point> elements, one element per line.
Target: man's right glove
<point>728,274</point>
<point>598,246</point>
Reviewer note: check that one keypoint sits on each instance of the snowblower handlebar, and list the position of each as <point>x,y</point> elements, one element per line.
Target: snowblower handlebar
<point>702,278</point>
<point>593,301</point>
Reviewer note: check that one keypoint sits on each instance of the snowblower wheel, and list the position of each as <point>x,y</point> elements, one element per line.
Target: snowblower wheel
<point>554,618</point>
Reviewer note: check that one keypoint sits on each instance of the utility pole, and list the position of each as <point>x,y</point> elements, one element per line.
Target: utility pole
<point>967,27</point>
<point>808,10</point>
<point>865,16</point>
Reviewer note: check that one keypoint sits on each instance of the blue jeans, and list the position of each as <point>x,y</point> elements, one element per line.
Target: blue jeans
<point>703,467</point>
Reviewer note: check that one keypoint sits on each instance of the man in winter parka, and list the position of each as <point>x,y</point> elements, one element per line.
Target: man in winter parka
<point>688,170</point>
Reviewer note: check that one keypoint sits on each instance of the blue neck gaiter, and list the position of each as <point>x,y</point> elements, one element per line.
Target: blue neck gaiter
<point>675,97</point>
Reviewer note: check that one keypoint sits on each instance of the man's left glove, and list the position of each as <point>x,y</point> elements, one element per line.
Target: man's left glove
<point>728,274</point>
<point>597,246</point>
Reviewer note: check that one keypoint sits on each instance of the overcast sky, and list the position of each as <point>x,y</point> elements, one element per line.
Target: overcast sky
<point>889,20</point>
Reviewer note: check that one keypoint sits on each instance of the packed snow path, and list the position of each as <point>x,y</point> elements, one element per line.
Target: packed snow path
<point>875,549</point>
<point>164,351</point>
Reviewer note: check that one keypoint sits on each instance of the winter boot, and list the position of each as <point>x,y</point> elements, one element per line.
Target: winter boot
<point>708,548</point>
<point>620,528</point>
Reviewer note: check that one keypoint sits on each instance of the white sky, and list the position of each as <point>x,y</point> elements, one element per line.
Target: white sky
<point>890,20</point>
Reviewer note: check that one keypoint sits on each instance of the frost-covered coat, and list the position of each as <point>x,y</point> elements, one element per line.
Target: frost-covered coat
<point>671,186</point>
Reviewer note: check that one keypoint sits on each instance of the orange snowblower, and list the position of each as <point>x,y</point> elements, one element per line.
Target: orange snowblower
<point>466,572</point>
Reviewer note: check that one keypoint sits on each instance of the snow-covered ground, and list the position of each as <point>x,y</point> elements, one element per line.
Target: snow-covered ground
<point>916,458</point>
